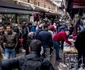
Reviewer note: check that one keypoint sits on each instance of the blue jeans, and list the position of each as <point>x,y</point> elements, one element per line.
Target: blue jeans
<point>56,46</point>
<point>8,52</point>
<point>46,51</point>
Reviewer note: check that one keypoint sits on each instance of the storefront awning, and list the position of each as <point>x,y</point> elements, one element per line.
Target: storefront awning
<point>41,9</point>
<point>15,11</point>
<point>14,6</point>
<point>53,12</point>
<point>34,7</point>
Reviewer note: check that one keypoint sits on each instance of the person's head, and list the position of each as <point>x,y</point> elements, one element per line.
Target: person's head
<point>45,27</point>
<point>9,28</point>
<point>1,28</point>
<point>29,24</point>
<point>67,32</point>
<point>35,46</point>
<point>24,22</point>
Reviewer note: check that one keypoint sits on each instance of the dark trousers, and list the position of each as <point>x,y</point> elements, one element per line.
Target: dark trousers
<point>81,57</point>
<point>18,47</point>
<point>62,42</point>
<point>56,46</point>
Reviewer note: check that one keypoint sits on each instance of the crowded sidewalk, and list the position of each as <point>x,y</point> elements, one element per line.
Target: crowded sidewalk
<point>57,41</point>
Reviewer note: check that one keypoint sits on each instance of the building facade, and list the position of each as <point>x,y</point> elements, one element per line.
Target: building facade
<point>11,12</point>
<point>44,3</point>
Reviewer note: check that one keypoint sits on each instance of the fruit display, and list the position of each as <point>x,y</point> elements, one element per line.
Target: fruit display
<point>68,48</point>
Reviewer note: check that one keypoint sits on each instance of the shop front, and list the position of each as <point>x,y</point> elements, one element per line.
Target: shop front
<point>9,18</point>
<point>13,13</point>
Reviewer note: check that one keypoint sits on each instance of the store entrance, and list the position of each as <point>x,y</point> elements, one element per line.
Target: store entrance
<point>8,18</point>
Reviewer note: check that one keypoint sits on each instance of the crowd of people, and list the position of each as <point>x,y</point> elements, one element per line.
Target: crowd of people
<point>38,39</point>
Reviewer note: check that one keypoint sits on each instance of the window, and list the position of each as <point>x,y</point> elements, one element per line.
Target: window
<point>38,3</point>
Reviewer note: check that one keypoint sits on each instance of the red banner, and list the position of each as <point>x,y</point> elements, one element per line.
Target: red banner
<point>79,2</point>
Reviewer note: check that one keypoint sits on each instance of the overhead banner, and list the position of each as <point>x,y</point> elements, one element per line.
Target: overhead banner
<point>78,3</point>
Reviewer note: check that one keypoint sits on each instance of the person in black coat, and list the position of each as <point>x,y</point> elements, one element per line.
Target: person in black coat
<point>80,46</point>
<point>35,48</point>
<point>16,29</point>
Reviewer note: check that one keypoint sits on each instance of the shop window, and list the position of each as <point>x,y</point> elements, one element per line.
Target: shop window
<point>10,18</point>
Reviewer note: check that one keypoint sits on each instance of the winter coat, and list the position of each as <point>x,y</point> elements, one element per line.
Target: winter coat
<point>46,38</point>
<point>33,28</point>
<point>62,28</point>
<point>18,62</point>
<point>37,33</point>
<point>11,40</point>
<point>80,41</point>
<point>16,29</point>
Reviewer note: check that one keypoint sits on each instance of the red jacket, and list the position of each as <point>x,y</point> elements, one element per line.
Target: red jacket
<point>61,36</point>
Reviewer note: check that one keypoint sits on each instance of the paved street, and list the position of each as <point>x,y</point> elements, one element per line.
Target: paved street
<point>53,60</point>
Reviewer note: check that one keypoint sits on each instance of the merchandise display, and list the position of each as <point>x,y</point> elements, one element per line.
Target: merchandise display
<point>69,49</point>
<point>70,56</point>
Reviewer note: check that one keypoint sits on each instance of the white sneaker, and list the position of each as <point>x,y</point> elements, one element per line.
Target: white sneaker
<point>23,50</point>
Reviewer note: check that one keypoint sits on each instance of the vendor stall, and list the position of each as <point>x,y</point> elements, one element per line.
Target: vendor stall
<point>70,55</point>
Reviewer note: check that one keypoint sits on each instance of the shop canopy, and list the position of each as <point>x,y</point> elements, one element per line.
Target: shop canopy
<point>9,5</point>
<point>16,11</point>
<point>41,9</point>
<point>53,12</point>
<point>14,8</point>
<point>34,7</point>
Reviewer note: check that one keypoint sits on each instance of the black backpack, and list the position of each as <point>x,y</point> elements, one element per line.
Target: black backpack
<point>32,64</point>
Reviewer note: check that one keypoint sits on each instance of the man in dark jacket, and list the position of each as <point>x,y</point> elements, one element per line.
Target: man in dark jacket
<point>46,38</point>
<point>11,42</point>
<point>24,33</point>
<point>16,29</point>
<point>33,58</point>
<point>80,45</point>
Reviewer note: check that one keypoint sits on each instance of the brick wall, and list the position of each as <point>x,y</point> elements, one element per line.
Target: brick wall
<point>44,3</point>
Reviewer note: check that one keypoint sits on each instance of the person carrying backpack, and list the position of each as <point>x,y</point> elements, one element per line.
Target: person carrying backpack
<point>33,61</point>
